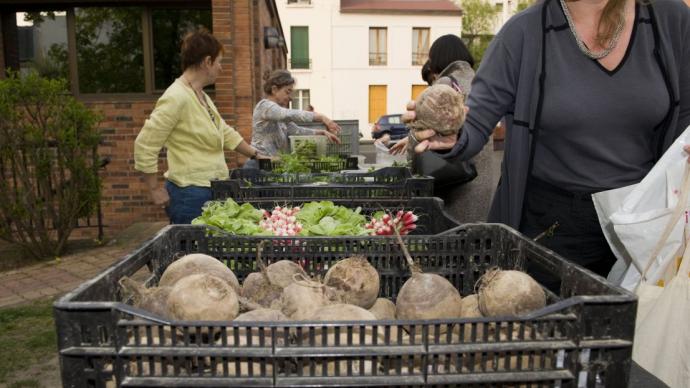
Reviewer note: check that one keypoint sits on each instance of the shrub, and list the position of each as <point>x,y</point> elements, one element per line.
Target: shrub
<point>48,163</point>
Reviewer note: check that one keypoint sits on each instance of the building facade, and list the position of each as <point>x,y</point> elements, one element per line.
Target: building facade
<point>120,56</point>
<point>356,59</point>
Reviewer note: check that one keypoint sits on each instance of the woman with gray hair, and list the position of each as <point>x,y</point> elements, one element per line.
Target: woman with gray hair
<point>273,121</point>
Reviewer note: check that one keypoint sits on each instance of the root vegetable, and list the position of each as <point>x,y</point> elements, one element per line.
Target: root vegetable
<point>303,297</point>
<point>426,295</point>
<point>202,297</point>
<point>154,299</point>
<point>441,108</point>
<point>282,273</point>
<point>469,307</point>
<point>262,315</point>
<point>249,339</point>
<point>264,287</point>
<point>383,309</point>
<point>197,263</point>
<point>358,280</point>
<point>359,335</point>
<point>509,293</point>
<point>257,289</point>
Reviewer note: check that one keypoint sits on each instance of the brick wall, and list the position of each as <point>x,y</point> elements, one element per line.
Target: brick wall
<point>236,24</point>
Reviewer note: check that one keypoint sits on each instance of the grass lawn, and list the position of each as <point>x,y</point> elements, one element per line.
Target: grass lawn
<point>28,341</point>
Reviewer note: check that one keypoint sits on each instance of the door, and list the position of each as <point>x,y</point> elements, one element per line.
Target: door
<point>377,102</point>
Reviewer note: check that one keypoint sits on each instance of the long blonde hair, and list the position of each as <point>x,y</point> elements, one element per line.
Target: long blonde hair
<point>610,17</point>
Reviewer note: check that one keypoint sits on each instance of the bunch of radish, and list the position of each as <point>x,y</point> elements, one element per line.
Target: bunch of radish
<point>282,221</point>
<point>403,221</point>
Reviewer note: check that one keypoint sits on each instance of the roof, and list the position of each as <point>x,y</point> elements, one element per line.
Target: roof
<point>440,7</point>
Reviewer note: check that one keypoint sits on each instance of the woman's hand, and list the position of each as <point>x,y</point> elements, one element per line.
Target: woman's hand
<point>331,137</point>
<point>400,147</point>
<point>428,138</point>
<point>385,139</point>
<point>160,196</point>
<point>332,126</point>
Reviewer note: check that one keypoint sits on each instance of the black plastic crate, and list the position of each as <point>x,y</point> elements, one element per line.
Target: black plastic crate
<point>349,137</point>
<point>432,217</point>
<point>583,337</point>
<point>390,182</point>
<point>343,163</point>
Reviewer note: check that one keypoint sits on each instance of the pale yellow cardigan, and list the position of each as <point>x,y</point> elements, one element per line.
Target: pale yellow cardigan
<point>194,143</point>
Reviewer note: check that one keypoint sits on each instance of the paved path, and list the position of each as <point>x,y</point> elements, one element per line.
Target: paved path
<point>55,278</point>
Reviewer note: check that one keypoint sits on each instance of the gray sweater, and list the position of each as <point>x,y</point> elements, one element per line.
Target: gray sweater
<point>272,125</point>
<point>510,84</point>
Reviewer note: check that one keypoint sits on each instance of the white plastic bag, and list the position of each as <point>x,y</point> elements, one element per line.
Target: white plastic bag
<point>634,219</point>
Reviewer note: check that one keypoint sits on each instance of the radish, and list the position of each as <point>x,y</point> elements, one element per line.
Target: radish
<point>357,279</point>
<point>509,293</point>
<point>198,263</point>
<point>426,295</point>
<point>154,299</point>
<point>202,297</point>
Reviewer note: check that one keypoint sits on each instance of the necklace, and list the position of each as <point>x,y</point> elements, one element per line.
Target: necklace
<point>202,100</point>
<point>583,47</point>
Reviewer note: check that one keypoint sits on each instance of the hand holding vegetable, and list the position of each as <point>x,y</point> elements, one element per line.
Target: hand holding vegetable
<point>429,139</point>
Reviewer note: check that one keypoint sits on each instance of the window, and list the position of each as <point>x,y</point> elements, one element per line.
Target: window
<point>169,27</point>
<point>110,53</point>
<point>377,46</point>
<point>300,99</point>
<point>417,90</point>
<point>42,44</point>
<point>420,45</point>
<point>377,101</point>
<point>305,2</point>
<point>499,8</point>
<point>299,46</point>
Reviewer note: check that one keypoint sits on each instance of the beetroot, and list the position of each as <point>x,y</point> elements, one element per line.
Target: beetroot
<point>426,295</point>
<point>509,293</point>
<point>441,108</point>
<point>154,299</point>
<point>357,279</point>
<point>202,297</point>
<point>196,263</point>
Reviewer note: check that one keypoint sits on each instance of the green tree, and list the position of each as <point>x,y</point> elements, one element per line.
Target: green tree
<point>48,164</point>
<point>524,4</point>
<point>478,20</point>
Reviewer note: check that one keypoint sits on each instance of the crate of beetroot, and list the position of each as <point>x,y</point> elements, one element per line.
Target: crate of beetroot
<point>198,309</point>
<point>389,182</point>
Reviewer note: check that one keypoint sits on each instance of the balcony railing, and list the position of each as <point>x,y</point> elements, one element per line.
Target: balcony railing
<point>418,59</point>
<point>300,63</point>
<point>378,59</point>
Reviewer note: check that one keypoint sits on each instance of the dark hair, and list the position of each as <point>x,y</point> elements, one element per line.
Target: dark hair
<point>426,72</point>
<point>446,50</point>
<point>196,46</point>
<point>278,78</point>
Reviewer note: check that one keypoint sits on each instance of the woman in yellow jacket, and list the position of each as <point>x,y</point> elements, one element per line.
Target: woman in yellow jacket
<point>187,123</point>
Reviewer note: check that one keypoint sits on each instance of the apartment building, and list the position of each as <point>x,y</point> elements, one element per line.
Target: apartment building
<point>358,59</point>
